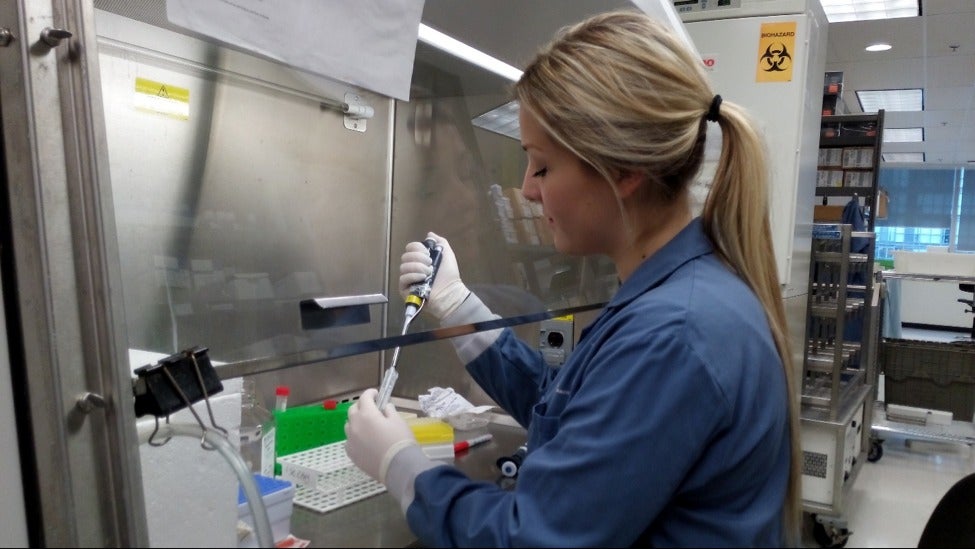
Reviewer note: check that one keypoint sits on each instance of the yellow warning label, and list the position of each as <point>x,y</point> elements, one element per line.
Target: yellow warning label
<point>570,318</point>
<point>162,98</point>
<point>776,52</point>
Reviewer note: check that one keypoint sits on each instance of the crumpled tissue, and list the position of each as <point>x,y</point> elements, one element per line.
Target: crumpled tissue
<point>447,404</point>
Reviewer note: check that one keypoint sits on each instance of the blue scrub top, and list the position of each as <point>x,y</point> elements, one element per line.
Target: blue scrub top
<point>667,426</point>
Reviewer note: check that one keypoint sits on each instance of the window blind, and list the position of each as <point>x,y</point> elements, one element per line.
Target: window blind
<point>965,240</point>
<point>918,197</point>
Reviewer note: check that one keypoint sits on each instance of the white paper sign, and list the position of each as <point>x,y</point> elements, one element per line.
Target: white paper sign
<point>301,476</point>
<point>366,43</point>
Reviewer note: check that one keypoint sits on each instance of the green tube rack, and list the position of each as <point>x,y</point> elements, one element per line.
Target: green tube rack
<point>305,427</point>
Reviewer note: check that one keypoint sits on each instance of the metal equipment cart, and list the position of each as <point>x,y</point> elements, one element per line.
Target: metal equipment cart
<point>943,378</point>
<point>839,374</point>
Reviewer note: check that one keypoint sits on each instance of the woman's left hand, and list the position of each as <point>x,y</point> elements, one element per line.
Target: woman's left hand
<point>374,437</point>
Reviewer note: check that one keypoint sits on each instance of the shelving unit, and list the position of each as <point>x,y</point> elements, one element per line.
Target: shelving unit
<point>833,103</point>
<point>838,281</point>
<point>842,321</point>
<point>838,382</point>
<point>849,161</point>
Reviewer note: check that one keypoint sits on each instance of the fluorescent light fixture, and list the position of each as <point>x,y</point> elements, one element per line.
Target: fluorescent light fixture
<point>903,157</point>
<point>502,120</point>
<point>859,10</point>
<point>459,49</point>
<point>903,135</point>
<point>879,46</point>
<point>891,100</point>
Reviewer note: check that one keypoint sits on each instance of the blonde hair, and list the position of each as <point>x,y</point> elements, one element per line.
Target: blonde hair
<point>623,93</point>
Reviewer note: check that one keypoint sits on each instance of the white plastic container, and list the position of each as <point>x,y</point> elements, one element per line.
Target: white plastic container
<point>934,263</point>
<point>278,496</point>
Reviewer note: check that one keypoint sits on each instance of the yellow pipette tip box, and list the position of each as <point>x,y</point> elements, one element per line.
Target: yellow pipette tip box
<point>431,430</point>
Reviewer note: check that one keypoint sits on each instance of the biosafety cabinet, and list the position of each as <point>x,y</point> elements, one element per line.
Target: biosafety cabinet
<point>176,178</point>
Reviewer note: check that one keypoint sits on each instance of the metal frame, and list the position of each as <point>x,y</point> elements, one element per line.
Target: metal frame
<point>832,406</point>
<point>86,488</point>
<point>959,432</point>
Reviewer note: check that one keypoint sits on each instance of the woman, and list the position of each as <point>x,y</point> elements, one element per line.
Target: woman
<point>673,422</point>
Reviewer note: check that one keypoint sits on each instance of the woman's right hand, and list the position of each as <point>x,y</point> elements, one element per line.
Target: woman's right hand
<point>448,290</point>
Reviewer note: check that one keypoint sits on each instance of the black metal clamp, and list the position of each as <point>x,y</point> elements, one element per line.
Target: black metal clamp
<point>176,382</point>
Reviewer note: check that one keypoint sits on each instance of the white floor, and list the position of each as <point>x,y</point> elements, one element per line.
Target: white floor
<point>891,499</point>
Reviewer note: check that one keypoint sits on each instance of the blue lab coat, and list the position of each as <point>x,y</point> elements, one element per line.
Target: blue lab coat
<point>667,426</point>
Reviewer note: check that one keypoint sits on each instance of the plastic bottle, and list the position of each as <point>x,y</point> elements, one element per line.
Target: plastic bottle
<point>257,431</point>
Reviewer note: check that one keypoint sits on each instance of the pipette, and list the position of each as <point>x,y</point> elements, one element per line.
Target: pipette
<point>417,297</point>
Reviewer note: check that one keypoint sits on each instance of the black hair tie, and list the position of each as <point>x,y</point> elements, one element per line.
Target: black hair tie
<point>712,115</point>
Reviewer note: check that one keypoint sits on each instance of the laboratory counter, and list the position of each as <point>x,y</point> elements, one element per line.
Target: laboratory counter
<point>378,522</point>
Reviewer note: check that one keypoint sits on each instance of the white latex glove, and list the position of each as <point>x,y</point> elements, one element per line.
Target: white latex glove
<point>448,290</point>
<point>374,437</point>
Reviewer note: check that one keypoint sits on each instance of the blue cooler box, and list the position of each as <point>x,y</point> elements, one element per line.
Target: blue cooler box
<point>278,496</point>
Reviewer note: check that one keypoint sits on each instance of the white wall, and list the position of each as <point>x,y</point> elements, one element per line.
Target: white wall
<point>935,303</point>
<point>13,523</point>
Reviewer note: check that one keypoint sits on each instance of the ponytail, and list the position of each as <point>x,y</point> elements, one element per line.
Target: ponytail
<point>736,218</point>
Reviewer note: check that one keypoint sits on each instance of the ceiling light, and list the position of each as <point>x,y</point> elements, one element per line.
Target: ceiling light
<point>502,120</point>
<point>903,157</point>
<point>858,10</point>
<point>891,100</point>
<point>879,46</point>
<point>459,49</point>
<point>903,135</point>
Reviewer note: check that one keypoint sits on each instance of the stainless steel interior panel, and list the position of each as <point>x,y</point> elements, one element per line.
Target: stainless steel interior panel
<point>258,198</point>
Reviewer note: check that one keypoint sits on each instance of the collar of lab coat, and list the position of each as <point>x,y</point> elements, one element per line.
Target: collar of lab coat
<point>690,243</point>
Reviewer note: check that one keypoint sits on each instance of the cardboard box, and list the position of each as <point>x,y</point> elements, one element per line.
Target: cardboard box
<point>831,158</point>
<point>827,214</point>
<point>829,178</point>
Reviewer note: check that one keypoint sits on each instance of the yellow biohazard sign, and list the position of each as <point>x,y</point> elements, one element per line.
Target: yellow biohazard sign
<point>162,98</point>
<point>776,52</point>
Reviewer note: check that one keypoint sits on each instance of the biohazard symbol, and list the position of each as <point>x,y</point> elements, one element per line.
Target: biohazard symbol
<point>776,58</point>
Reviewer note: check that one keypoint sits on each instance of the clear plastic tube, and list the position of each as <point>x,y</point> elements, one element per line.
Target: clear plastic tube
<point>262,524</point>
<point>281,398</point>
